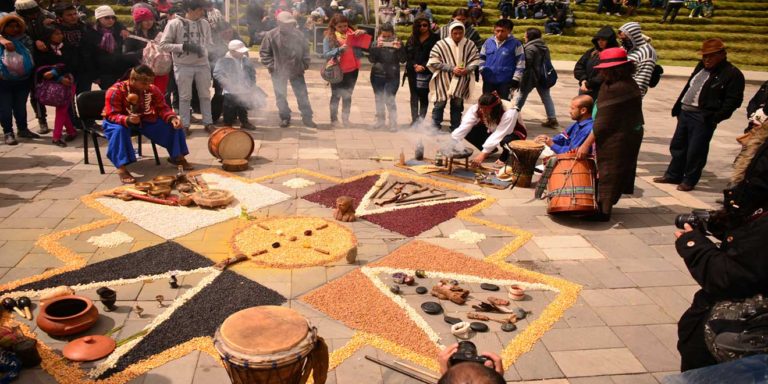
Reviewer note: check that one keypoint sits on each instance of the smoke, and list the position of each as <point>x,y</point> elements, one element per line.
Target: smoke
<point>432,139</point>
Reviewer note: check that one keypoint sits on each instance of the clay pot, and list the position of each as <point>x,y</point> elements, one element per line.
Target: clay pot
<point>67,315</point>
<point>89,348</point>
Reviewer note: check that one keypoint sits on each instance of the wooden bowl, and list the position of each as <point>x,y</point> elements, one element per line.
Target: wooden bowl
<point>160,190</point>
<point>164,180</point>
<point>143,186</point>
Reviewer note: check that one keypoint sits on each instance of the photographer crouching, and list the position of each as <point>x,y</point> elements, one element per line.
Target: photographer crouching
<point>728,318</point>
<point>460,364</point>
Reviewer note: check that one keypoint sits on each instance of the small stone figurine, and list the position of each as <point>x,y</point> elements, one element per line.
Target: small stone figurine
<point>345,209</point>
<point>160,299</point>
<point>139,310</point>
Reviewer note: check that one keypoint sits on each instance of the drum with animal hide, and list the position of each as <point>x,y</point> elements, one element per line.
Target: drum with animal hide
<point>524,155</point>
<point>229,143</point>
<point>571,186</point>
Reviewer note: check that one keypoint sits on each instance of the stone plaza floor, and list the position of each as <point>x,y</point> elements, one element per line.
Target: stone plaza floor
<point>622,329</point>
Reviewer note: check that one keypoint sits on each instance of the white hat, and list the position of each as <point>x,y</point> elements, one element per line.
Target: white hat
<point>334,4</point>
<point>285,17</point>
<point>104,11</point>
<point>238,46</point>
<point>23,5</point>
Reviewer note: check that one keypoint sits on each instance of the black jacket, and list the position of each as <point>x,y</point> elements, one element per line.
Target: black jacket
<point>133,49</point>
<point>386,61</point>
<point>721,94</point>
<point>738,268</point>
<point>115,63</point>
<point>536,51</point>
<point>759,100</point>
<point>75,36</point>
<point>417,52</point>
<point>585,67</point>
<point>69,58</point>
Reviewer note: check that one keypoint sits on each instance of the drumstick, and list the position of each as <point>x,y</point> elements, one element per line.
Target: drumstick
<point>425,373</point>
<point>400,370</point>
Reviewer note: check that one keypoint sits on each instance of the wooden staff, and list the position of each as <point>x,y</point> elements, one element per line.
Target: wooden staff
<point>400,370</point>
<point>378,187</point>
<point>421,198</point>
<point>425,373</point>
<point>384,192</point>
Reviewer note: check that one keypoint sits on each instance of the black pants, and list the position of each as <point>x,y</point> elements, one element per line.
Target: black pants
<point>503,89</point>
<point>233,109</point>
<point>607,4</point>
<point>672,8</point>
<point>479,134</point>
<point>457,108</point>
<point>689,147</point>
<point>217,101</point>
<point>343,91</point>
<point>419,101</point>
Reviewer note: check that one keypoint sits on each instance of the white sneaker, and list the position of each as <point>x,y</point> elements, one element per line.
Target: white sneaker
<point>607,13</point>
<point>690,16</point>
<point>617,14</point>
<point>700,16</point>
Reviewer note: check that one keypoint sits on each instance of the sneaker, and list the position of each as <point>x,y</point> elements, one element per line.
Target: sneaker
<point>309,123</point>
<point>187,131</point>
<point>525,18</point>
<point>335,124</point>
<point>210,128</point>
<point>284,123</point>
<point>607,13</point>
<point>60,143</point>
<point>690,16</point>
<point>617,14</point>
<point>248,126</point>
<point>69,138</point>
<point>347,123</point>
<point>27,134</point>
<point>10,139</point>
<point>393,128</point>
<point>378,125</point>
<point>700,16</point>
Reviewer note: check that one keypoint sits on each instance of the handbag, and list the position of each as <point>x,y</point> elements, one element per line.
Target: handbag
<point>737,328</point>
<point>331,71</point>
<point>52,92</point>
<point>422,80</point>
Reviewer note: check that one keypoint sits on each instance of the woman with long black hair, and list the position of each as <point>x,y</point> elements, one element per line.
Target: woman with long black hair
<point>417,50</point>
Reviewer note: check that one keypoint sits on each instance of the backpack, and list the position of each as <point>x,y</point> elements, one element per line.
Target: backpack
<point>160,62</point>
<point>547,73</point>
<point>658,70</point>
<point>15,65</point>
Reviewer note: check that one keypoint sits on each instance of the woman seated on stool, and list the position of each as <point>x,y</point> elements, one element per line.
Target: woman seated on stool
<point>149,114</point>
<point>490,123</point>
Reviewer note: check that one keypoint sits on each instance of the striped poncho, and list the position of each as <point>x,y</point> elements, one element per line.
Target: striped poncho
<point>444,57</point>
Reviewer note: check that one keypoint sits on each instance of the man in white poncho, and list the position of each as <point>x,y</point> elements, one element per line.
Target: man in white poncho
<point>452,61</point>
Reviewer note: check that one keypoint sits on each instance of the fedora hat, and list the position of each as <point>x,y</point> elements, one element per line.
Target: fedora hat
<point>711,46</point>
<point>612,57</point>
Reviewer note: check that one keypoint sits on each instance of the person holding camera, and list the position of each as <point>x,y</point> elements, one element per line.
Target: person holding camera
<point>730,273</point>
<point>460,364</point>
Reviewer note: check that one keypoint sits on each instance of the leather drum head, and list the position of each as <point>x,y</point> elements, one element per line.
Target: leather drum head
<point>263,330</point>
<point>236,145</point>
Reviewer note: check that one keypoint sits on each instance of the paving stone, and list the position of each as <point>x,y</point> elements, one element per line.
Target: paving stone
<point>608,274</point>
<point>615,297</point>
<point>208,370</point>
<point>591,380</point>
<point>654,356</point>
<point>669,299</point>
<point>573,253</point>
<point>537,364</point>
<point>180,371</point>
<point>597,362</point>
<point>634,379</point>
<point>634,315</point>
<point>570,339</point>
<point>621,246</point>
<point>575,241</point>
<point>14,251</point>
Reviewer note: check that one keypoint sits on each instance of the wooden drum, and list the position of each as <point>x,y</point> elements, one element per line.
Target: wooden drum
<point>267,345</point>
<point>525,153</point>
<point>229,143</point>
<point>571,186</point>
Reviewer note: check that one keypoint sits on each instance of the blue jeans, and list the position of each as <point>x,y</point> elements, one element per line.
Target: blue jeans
<point>689,147</point>
<point>13,104</point>
<point>299,85</point>
<point>521,11</point>
<point>552,27</point>
<point>546,99</point>
<point>457,107</point>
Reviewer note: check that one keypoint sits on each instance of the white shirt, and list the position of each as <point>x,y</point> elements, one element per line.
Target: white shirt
<point>506,126</point>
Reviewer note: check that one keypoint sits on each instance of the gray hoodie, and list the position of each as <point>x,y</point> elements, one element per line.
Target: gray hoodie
<point>179,31</point>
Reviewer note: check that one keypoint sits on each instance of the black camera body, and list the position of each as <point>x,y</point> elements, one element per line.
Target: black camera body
<point>698,218</point>
<point>467,352</point>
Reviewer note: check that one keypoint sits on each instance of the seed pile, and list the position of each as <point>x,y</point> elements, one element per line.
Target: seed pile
<point>298,183</point>
<point>467,237</point>
<point>110,240</point>
<point>293,242</point>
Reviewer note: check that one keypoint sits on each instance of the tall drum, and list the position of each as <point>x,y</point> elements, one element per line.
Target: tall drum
<point>571,187</point>
<point>524,154</point>
<point>271,345</point>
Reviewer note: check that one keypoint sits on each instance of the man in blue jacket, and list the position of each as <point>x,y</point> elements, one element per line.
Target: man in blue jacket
<point>502,61</point>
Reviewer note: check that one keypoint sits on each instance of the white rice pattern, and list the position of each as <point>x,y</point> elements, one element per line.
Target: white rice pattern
<point>467,237</point>
<point>171,222</point>
<point>298,183</point>
<point>110,240</point>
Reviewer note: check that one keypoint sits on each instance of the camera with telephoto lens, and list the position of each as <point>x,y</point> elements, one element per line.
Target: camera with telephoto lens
<point>698,218</point>
<point>467,352</point>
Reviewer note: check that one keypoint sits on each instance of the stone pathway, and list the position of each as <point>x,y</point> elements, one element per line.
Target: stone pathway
<point>621,330</point>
